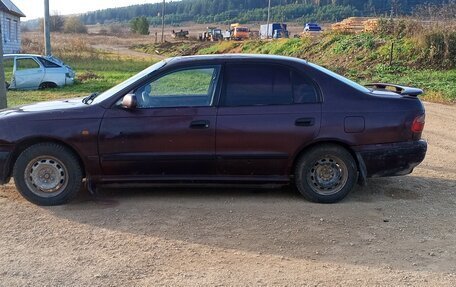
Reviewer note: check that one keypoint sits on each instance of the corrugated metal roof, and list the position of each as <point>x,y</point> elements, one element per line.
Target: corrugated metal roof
<point>8,6</point>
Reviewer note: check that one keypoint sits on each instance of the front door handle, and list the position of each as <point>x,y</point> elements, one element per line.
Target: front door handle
<point>203,124</point>
<point>305,122</point>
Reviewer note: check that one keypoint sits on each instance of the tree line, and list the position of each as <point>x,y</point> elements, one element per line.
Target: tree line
<point>254,10</point>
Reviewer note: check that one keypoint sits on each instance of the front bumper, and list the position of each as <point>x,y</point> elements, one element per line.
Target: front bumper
<point>390,159</point>
<point>5,158</point>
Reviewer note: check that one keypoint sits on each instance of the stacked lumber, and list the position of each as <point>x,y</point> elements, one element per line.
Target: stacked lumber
<point>370,25</point>
<point>356,25</point>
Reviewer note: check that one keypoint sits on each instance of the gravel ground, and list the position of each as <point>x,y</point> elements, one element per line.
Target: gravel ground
<point>394,232</point>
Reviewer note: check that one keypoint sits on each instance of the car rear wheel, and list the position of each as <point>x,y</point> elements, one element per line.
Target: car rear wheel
<point>326,173</point>
<point>48,174</point>
<point>47,85</point>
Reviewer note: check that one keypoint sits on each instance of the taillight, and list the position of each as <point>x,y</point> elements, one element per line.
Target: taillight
<point>418,124</point>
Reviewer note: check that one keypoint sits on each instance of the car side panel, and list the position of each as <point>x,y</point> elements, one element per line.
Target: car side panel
<point>28,79</point>
<point>262,140</point>
<point>55,75</point>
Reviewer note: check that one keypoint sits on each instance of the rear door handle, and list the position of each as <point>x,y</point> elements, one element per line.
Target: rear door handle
<point>305,122</point>
<point>203,124</point>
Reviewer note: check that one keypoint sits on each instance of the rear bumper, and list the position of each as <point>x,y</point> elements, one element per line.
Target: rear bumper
<point>391,159</point>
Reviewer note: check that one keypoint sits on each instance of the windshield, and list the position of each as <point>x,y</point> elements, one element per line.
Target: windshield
<point>341,78</point>
<point>123,85</point>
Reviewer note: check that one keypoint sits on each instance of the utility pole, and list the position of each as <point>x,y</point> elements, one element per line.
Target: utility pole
<point>269,17</point>
<point>47,32</point>
<point>3,102</point>
<point>163,22</point>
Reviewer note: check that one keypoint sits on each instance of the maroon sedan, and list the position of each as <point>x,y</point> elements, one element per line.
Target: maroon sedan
<point>216,119</point>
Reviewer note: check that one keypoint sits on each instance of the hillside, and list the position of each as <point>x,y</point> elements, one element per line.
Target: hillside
<point>209,11</point>
<point>422,56</point>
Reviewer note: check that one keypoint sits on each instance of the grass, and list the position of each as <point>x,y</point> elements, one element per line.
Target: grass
<point>363,58</point>
<point>439,86</point>
<point>94,74</point>
<point>187,82</point>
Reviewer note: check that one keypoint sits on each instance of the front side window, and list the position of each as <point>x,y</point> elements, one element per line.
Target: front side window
<point>257,85</point>
<point>193,87</point>
<point>26,63</point>
<point>8,65</point>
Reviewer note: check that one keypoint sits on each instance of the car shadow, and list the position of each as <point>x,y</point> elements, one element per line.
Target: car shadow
<point>390,222</point>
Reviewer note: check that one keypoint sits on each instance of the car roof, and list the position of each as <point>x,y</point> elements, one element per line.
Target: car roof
<point>231,57</point>
<point>20,55</point>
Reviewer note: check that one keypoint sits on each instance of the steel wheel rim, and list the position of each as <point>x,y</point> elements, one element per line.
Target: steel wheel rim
<point>46,176</point>
<point>328,175</point>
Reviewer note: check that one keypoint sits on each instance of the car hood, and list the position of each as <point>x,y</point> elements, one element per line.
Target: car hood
<point>63,109</point>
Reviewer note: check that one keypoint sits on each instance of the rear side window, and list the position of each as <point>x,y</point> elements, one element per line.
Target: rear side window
<point>48,64</point>
<point>257,84</point>
<point>304,91</point>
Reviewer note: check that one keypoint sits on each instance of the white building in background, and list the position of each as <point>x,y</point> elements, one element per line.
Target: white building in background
<point>10,20</point>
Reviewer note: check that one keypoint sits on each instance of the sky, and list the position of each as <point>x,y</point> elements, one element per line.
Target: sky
<point>35,8</point>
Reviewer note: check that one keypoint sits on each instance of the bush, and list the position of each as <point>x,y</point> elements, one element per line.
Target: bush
<point>56,23</point>
<point>74,25</point>
<point>399,28</point>
<point>439,48</point>
<point>140,25</point>
<point>115,29</point>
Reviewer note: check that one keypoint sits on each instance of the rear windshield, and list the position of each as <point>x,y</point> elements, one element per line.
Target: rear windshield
<point>341,78</point>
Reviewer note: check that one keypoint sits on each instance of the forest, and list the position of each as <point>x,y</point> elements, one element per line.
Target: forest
<point>207,11</point>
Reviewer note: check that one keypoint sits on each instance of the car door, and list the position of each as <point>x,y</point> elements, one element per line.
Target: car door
<point>170,134</point>
<point>28,73</point>
<point>267,113</point>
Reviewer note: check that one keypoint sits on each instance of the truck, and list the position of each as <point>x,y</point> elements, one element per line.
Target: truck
<point>211,34</point>
<point>239,32</point>
<point>274,31</point>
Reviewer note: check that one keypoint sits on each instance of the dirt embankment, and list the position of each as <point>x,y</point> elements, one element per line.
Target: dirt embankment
<point>395,232</point>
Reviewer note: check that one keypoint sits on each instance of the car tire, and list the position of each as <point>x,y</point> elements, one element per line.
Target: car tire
<point>47,85</point>
<point>48,174</point>
<point>326,173</point>
<point>7,85</point>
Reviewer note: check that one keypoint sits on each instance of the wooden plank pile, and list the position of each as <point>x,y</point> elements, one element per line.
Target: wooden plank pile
<point>356,25</point>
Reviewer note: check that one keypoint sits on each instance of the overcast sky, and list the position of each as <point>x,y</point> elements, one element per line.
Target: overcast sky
<point>35,8</point>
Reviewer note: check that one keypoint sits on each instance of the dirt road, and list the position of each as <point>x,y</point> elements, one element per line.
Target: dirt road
<point>395,232</point>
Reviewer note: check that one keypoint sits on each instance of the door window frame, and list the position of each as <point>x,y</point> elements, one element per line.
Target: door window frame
<point>292,70</point>
<point>16,59</point>
<point>215,93</point>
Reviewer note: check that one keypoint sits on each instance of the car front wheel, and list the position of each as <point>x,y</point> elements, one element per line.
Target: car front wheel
<point>326,173</point>
<point>48,174</point>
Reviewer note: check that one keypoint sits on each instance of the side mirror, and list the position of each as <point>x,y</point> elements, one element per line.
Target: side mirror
<point>129,102</point>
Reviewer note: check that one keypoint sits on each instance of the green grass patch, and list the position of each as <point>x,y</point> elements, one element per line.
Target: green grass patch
<point>104,73</point>
<point>438,86</point>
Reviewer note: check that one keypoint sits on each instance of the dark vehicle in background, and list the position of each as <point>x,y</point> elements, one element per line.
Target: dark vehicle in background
<point>216,119</point>
<point>312,27</point>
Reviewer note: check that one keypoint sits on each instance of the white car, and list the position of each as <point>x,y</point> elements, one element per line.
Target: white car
<point>31,72</point>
